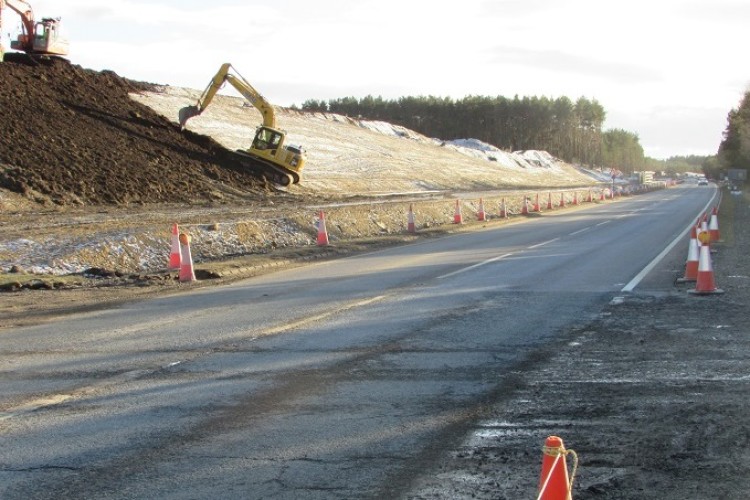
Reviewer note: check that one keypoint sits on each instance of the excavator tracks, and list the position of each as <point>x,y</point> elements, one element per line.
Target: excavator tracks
<point>280,178</point>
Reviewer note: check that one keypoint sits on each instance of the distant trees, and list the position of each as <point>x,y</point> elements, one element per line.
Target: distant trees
<point>569,130</point>
<point>734,150</point>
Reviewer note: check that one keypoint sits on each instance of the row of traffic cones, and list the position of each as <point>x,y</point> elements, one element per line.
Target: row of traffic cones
<point>698,266</point>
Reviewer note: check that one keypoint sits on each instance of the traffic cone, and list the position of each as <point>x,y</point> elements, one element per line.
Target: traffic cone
<point>537,207</point>
<point>713,226</point>
<point>602,196</point>
<point>691,265</point>
<point>575,197</point>
<point>562,200</point>
<point>175,260</point>
<point>411,227</point>
<point>549,201</point>
<point>590,198</point>
<point>481,215</point>
<point>525,206</point>
<point>322,233</point>
<point>503,209</point>
<point>457,217</point>
<point>705,284</point>
<point>554,483</point>
<point>186,267</point>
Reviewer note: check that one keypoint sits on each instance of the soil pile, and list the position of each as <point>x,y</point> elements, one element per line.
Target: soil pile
<point>74,136</point>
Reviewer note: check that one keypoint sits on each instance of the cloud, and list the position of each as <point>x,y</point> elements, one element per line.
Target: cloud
<point>562,62</point>
<point>666,131</point>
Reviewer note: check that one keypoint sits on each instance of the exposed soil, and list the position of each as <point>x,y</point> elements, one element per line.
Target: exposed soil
<point>73,136</point>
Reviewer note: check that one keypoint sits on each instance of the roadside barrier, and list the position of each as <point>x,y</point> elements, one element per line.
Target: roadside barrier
<point>322,232</point>
<point>175,259</point>
<point>187,273</point>
<point>554,483</point>
<point>410,225</point>
<point>457,217</point>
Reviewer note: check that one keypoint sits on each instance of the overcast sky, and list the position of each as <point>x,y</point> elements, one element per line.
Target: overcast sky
<point>667,70</point>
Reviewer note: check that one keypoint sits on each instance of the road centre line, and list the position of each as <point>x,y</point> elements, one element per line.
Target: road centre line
<point>580,231</point>
<point>474,266</point>
<point>543,243</point>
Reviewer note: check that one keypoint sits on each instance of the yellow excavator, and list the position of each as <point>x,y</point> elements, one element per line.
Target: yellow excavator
<point>277,160</point>
<point>42,37</point>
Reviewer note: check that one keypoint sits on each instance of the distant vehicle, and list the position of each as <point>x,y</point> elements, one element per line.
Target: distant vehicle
<point>703,182</point>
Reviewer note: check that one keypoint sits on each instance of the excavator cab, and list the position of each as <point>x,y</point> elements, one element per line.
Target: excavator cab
<point>267,139</point>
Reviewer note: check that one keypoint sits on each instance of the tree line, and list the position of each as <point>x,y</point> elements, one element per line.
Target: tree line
<point>571,131</point>
<point>734,149</point>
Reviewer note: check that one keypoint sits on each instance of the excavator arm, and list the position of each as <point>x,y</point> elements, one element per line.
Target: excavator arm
<point>228,74</point>
<point>27,19</point>
<point>268,153</point>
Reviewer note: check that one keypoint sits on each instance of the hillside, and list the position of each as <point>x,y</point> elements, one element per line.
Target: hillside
<point>75,136</point>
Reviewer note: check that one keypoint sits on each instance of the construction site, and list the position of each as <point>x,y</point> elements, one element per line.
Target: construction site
<point>96,169</point>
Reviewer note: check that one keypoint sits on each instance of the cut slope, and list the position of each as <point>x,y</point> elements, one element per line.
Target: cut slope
<point>74,136</point>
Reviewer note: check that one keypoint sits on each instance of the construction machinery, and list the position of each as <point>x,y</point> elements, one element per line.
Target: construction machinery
<point>36,37</point>
<point>268,152</point>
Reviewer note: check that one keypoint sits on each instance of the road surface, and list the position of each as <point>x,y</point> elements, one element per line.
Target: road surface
<point>342,379</point>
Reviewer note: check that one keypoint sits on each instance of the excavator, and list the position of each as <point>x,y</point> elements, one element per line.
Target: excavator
<point>268,153</point>
<point>41,38</point>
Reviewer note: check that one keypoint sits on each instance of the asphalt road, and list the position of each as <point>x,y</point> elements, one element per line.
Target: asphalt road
<point>342,379</point>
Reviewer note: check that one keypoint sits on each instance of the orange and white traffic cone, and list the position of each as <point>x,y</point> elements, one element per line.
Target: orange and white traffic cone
<point>322,232</point>
<point>503,210</point>
<point>175,259</point>
<point>549,201</point>
<point>691,265</point>
<point>590,198</point>
<point>410,225</point>
<point>705,283</point>
<point>713,226</point>
<point>481,215</point>
<point>457,217</point>
<point>575,197</point>
<point>525,206</point>
<point>554,483</point>
<point>187,273</point>
<point>562,200</point>
<point>537,206</point>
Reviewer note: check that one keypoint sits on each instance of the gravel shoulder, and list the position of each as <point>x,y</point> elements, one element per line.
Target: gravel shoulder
<point>651,395</point>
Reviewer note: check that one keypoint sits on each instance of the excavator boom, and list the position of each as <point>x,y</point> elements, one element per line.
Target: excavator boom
<point>283,163</point>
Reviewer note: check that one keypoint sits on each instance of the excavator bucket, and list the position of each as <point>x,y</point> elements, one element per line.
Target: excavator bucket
<point>187,113</point>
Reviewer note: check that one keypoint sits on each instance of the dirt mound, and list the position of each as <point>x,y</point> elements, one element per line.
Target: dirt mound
<point>73,136</point>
